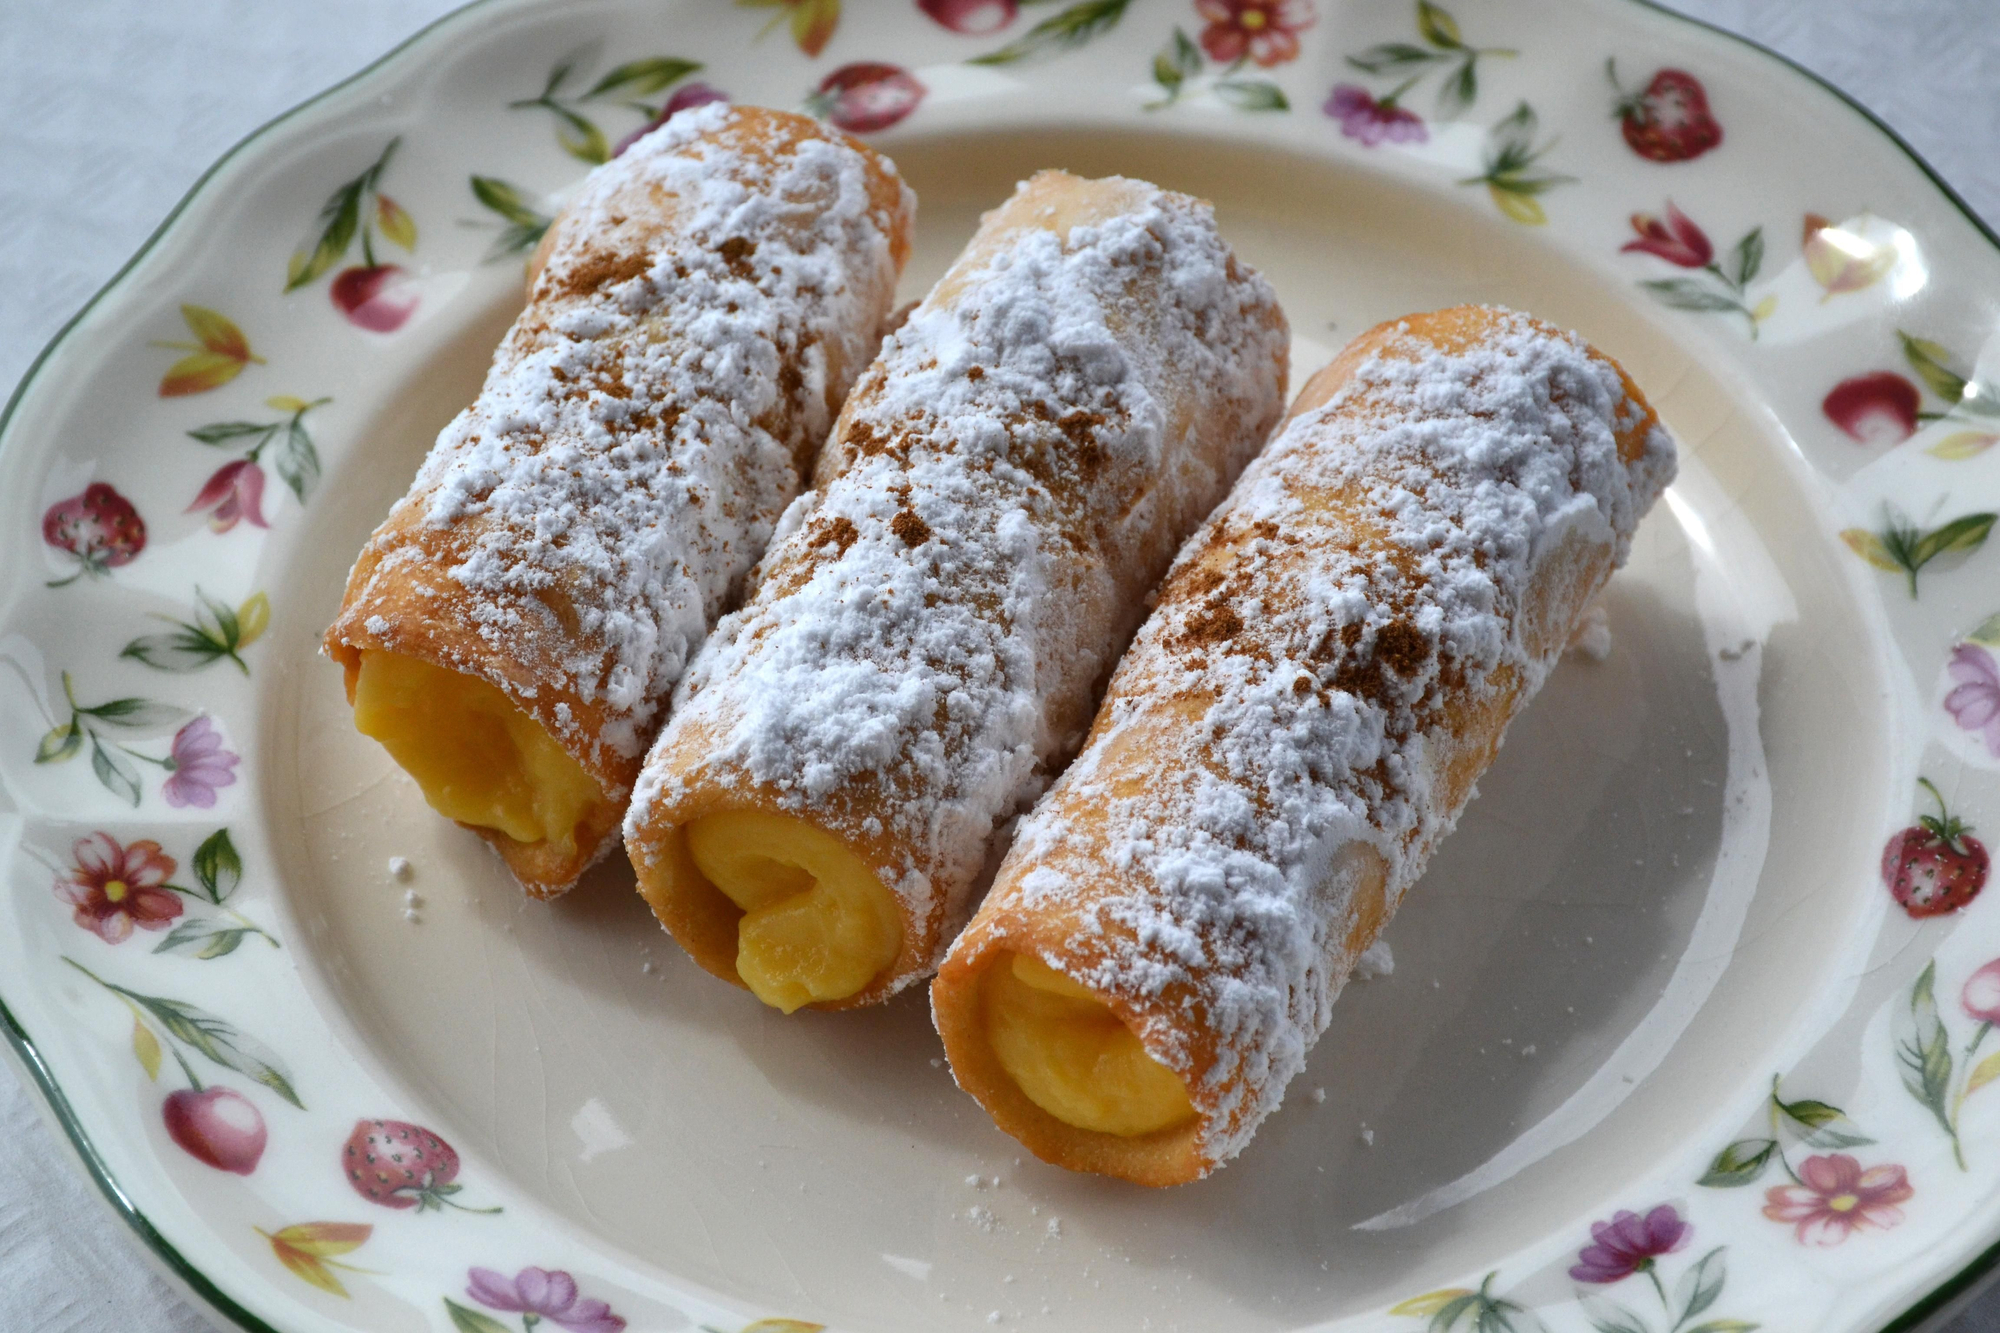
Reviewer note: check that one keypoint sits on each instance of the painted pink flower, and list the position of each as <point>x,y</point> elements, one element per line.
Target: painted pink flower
<point>234,493</point>
<point>1629,1244</point>
<point>115,887</point>
<point>1676,239</point>
<point>198,766</point>
<point>685,96</point>
<point>1372,122</point>
<point>1981,996</point>
<point>1975,703</point>
<point>541,1294</point>
<point>99,527</point>
<point>1835,1198</point>
<point>376,297</point>
<point>976,18</point>
<point>1877,408</point>
<point>1267,31</point>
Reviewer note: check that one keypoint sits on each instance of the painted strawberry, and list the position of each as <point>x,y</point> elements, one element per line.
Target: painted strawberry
<point>1669,120</point>
<point>865,97</point>
<point>401,1165</point>
<point>218,1126</point>
<point>1937,866</point>
<point>376,297</point>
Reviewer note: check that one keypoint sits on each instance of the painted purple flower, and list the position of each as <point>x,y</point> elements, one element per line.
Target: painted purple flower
<point>1981,996</point>
<point>685,96</point>
<point>198,765</point>
<point>539,1294</point>
<point>1629,1244</point>
<point>1975,703</point>
<point>1372,122</point>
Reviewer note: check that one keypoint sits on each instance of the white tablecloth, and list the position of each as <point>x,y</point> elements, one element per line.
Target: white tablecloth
<point>110,108</point>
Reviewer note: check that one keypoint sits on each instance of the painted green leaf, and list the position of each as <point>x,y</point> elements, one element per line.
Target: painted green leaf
<point>580,138</point>
<point>1460,91</point>
<point>472,1321</point>
<point>115,771</point>
<point>135,713</point>
<point>1688,294</point>
<point>1739,1164</point>
<point>146,1047</point>
<point>1392,56</point>
<point>60,743</point>
<point>644,78</point>
<point>1701,1285</point>
<point>1988,632</point>
<point>339,220</point>
<point>1824,1126</point>
<point>1429,1303</point>
<point>297,462</point>
<point>1870,548</point>
<point>217,867</point>
<point>1177,62</point>
<point>395,223</point>
<point>1610,1317</point>
<point>187,649</point>
<point>1438,27</point>
<point>505,199</point>
<point>219,1041</point>
<point>1749,257</point>
<point>224,431</point>
<point>1723,1326</point>
<point>204,937</point>
<point>1062,31</point>
<point>1252,95</point>
<point>1929,360</point>
<point>1923,1048</point>
<point>1961,534</point>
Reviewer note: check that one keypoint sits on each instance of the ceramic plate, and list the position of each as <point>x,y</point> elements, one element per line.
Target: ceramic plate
<point>1689,1028</point>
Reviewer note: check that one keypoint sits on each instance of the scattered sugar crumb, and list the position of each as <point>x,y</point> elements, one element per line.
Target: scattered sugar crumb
<point>981,1217</point>
<point>1055,1228</point>
<point>936,1063</point>
<point>1593,635</point>
<point>412,915</point>
<point>1319,1096</point>
<point>1367,1136</point>
<point>1375,961</point>
<point>411,898</point>
<point>399,867</point>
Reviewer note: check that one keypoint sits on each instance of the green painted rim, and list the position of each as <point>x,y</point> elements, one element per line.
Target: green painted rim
<point>1981,1269</point>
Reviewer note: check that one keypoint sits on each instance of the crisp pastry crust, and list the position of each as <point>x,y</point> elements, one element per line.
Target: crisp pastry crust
<point>925,642</point>
<point>1332,664</point>
<point>694,322</point>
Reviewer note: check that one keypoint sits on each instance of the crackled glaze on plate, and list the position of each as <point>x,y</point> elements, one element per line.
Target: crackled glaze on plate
<point>1690,1024</point>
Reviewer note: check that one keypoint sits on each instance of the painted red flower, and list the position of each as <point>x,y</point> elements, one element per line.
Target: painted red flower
<point>866,96</point>
<point>234,493</point>
<point>685,96</point>
<point>114,887</point>
<point>99,527</point>
<point>1835,1198</point>
<point>377,297</point>
<point>1372,122</point>
<point>1676,239</point>
<point>1267,31</point>
<point>1877,408</point>
<point>974,17</point>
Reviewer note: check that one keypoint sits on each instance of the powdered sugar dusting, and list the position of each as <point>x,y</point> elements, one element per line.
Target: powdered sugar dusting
<point>1006,482</point>
<point>708,300</point>
<point>1352,626</point>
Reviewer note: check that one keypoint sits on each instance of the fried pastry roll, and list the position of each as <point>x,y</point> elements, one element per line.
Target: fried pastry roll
<point>1331,665</point>
<point>695,318</point>
<point>924,645</point>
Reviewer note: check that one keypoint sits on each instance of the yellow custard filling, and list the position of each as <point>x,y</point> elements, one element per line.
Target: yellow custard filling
<point>1072,1056</point>
<point>477,757</point>
<point>817,923</point>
